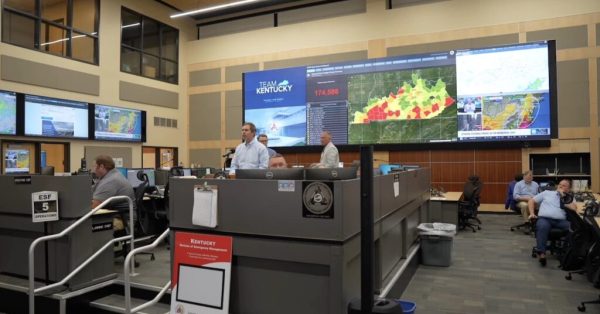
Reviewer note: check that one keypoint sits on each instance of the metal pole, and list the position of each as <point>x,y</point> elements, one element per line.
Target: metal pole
<point>366,228</point>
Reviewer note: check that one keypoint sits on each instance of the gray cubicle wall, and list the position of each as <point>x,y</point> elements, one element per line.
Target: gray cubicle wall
<point>17,231</point>
<point>305,265</point>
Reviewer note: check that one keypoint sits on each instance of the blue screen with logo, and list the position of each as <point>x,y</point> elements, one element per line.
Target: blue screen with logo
<point>275,102</point>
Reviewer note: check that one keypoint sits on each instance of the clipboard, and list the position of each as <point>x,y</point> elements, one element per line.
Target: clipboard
<point>204,212</point>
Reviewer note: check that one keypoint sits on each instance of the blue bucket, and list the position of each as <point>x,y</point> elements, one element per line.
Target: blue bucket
<point>407,306</point>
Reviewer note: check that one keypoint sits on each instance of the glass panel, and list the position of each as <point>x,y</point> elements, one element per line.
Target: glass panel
<point>21,5</point>
<point>83,47</point>
<point>130,61</point>
<point>168,71</point>
<point>151,38</point>
<point>18,30</point>
<point>169,43</point>
<point>53,39</point>
<point>131,29</point>
<point>150,66</point>
<point>55,10</point>
<point>84,15</point>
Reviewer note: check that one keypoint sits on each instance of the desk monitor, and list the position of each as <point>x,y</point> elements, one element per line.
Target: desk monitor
<point>123,171</point>
<point>271,174</point>
<point>47,171</point>
<point>187,172</point>
<point>328,174</point>
<point>410,167</point>
<point>387,168</point>
<point>132,177</point>
<point>202,171</point>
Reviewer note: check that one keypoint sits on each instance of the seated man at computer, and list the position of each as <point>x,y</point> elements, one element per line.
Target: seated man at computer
<point>550,215</point>
<point>277,161</point>
<point>110,183</point>
<point>250,154</point>
<point>525,190</point>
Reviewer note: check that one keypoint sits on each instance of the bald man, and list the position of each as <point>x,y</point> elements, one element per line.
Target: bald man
<point>330,158</point>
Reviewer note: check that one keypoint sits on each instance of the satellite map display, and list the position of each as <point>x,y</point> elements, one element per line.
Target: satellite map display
<point>510,112</point>
<point>410,106</point>
<point>115,123</point>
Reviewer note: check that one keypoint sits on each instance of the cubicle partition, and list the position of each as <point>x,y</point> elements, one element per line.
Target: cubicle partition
<point>287,261</point>
<point>54,259</point>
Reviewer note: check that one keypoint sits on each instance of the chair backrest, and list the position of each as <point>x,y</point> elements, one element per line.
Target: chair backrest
<point>472,189</point>
<point>141,188</point>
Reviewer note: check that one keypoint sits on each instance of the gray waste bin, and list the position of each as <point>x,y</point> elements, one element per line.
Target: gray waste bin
<point>436,243</point>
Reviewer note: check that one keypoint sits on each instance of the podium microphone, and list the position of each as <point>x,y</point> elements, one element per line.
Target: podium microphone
<point>231,151</point>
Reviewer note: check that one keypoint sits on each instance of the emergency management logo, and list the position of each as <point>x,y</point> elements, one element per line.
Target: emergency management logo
<point>274,87</point>
<point>317,200</point>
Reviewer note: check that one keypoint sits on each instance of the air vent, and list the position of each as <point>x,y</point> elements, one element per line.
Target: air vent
<point>165,122</point>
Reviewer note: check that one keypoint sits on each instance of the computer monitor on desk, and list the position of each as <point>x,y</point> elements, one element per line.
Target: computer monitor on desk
<point>271,174</point>
<point>47,171</point>
<point>135,182</point>
<point>328,174</point>
<point>187,172</point>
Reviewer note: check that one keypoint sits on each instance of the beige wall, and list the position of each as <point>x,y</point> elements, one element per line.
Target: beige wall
<point>415,28</point>
<point>110,76</point>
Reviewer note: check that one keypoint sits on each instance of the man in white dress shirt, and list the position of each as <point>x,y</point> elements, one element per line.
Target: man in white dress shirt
<point>250,154</point>
<point>330,158</point>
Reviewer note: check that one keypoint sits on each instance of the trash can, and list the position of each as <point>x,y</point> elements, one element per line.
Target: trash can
<point>436,243</point>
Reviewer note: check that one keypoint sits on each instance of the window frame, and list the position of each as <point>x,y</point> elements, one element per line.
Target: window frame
<point>67,28</point>
<point>161,28</point>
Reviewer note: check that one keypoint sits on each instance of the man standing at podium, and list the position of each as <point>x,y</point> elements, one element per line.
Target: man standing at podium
<point>250,154</point>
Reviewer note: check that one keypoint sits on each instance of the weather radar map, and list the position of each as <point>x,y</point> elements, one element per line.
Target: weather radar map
<point>409,106</point>
<point>510,87</point>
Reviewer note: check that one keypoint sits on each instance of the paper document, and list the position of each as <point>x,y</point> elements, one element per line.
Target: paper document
<point>205,208</point>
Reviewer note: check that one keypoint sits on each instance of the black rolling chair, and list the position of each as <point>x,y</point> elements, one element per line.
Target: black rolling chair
<point>468,205</point>
<point>140,217</point>
<point>592,262</point>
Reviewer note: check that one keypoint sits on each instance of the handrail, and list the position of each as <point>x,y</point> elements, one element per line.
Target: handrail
<point>126,265</point>
<point>32,290</point>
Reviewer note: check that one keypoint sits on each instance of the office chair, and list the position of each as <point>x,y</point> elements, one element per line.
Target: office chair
<point>140,214</point>
<point>469,204</point>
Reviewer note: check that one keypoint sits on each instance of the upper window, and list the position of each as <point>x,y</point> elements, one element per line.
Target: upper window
<point>148,47</point>
<point>67,28</point>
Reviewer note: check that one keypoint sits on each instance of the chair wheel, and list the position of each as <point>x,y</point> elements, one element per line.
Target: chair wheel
<point>478,227</point>
<point>152,258</point>
<point>568,277</point>
<point>512,229</point>
<point>581,308</point>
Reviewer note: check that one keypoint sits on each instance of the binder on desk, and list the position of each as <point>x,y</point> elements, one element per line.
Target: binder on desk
<point>204,212</point>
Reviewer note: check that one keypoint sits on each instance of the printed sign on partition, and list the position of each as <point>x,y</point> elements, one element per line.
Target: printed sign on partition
<point>44,206</point>
<point>201,273</point>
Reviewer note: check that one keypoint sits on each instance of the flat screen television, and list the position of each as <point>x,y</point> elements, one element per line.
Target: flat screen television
<point>52,117</point>
<point>492,94</point>
<point>118,124</point>
<point>271,174</point>
<point>328,174</point>
<point>16,161</point>
<point>8,113</point>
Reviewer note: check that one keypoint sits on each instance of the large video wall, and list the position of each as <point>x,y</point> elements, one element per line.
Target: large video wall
<point>492,94</point>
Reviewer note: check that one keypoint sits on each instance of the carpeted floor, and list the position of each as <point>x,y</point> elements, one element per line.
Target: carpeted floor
<point>492,271</point>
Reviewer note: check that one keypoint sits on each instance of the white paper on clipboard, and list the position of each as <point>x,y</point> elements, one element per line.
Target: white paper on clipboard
<point>204,212</point>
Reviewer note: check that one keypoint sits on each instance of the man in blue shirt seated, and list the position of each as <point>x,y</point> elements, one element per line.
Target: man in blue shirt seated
<point>250,154</point>
<point>551,215</point>
<point>525,190</point>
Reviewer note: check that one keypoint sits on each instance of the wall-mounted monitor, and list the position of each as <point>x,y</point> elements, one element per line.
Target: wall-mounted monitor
<point>8,113</point>
<point>52,117</point>
<point>492,94</point>
<point>118,124</point>
<point>16,161</point>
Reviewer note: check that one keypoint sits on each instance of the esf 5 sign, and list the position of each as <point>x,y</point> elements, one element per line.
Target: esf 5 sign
<point>44,206</point>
